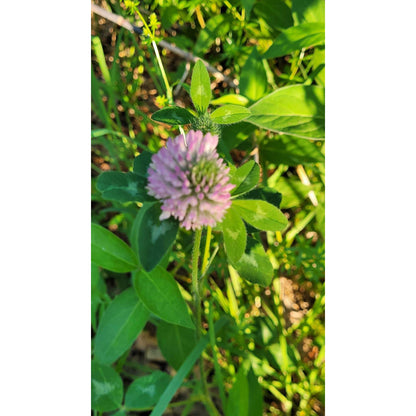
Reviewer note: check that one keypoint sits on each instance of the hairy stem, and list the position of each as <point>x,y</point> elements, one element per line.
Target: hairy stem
<point>198,314</point>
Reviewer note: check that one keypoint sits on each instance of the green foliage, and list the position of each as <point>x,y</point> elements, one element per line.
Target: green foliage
<point>245,178</point>
<point>270,358</point>
<point>173,115</point>
<point>295,110</point>
<point>235,234</point>
<point>261,214</point>
<point>123,187</point>
<point>110,252</point>
<point>230,114</point>
<point>139,396</point>
<point>155,233</point>
<point>120,325</point>
<point>254,265</point>
<point>200,87</point>
<point>294,38</point>
<point>106,388</point>
<point>160,294</point>
<point>176,342</point>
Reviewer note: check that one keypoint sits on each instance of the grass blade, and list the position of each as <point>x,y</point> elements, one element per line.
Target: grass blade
<point>184,370</point>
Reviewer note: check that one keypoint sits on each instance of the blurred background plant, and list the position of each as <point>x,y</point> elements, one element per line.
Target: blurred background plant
<point>277,333</point>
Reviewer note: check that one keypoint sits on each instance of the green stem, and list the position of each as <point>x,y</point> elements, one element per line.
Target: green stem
<point>163,72</point>
<point>198,313</point>
<point>195,283</point>
<point>206,251</point>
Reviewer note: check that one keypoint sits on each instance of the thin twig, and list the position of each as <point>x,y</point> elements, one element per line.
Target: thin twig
<point>183,78</point>
<point>121,21</point>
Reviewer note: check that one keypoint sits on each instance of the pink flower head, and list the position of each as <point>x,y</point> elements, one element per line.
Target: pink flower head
<point>191,181</point>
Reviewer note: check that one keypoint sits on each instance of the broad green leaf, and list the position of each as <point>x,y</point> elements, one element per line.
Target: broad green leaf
<point>173,115</point>
<point>296,110</point>
<point>110,252</point>
<point>275,14</point>
<point>253,80</point>
<point>98,291</point>
<point>123,187</point>
<point>318,65</point>
<point>295,38</point>
<point>234,135</point>
<point>291,152</point>
<point>141,164</point>
<point>254,265</point>
<point>186,367</point>
<point>266,194</point>
<point>230,99</point>
<point>200,87</point>
<point>245,178</point>
<point>120,413</point>
<point>106,388</point>
<point>308,11</point>
<point>216,26</point>
<point>294,192</point>
<point>175,342</point>
<point>235,234</point>
<point>145,391</point>
<point>155,236</point>
<point>120,325</point>
<point>230,114</point>
<point>261,214</point>
<point>238,399</point>
<point>255,397</point>
<point>159,291</point>
<point>248,5</point>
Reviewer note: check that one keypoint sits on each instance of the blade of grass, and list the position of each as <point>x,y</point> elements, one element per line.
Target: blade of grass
<point>184,370</point>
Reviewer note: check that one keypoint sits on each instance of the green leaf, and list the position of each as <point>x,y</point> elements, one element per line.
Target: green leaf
<point>245,178</point>
<point>155,236</point>
<point>308,11</point>
<point>266,194</point>
<point>200,87</point>
<point>261,214</point>
<point>173,115</point>
<point>238,400</point>
<point>234,135</point>
<point>159,291</point>
<point>141,164</point>
<point>296,110</point>
<point>291,152</point>
<point>235,234</point>
<point>318,65</point>
<point>123,187</point>
<point>230,114</point>
<point>186,367</point>
<point>216,26</point>
<point>106,388</point>
<point>230,99</point>
<point>295,38</point>
<point>176,342</point>
<point>110,252</point>
<point>253,80</point>
<point>294,192</point>
<point>120,325</point>
<point>248,5</point>
<point>255,397</point>
<point>275,14</point>
<point>254,265</point>
<point>145,391</point>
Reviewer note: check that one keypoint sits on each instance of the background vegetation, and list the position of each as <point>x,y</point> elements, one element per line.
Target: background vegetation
<point>276,334</point>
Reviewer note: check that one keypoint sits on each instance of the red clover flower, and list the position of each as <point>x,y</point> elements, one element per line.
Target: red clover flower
<point>191,180</point>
